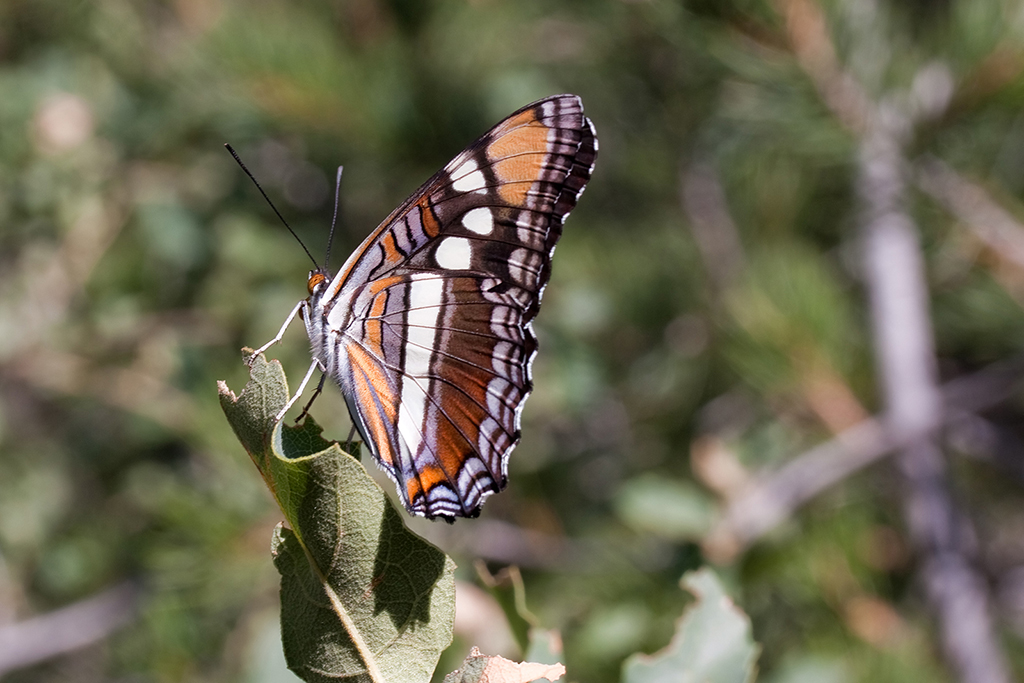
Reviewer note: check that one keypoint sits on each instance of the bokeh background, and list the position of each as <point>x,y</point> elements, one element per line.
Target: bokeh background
<point>711,318</point>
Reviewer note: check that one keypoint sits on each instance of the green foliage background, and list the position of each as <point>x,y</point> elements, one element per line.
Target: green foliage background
<point>136,260</point>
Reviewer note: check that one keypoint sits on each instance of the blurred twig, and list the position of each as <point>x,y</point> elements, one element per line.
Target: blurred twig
<point>969,202</point>
<point>813,48</point>
<point>132,389</point>
<point>41,638</point>
<point>759,509</point>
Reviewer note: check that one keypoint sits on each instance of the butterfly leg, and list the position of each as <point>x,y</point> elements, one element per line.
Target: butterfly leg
<point>280,333</point>
<point>316,392</point>
<point>348,441</point>
<point>298,392</point>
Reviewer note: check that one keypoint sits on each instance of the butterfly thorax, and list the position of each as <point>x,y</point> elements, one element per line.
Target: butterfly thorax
<point>329,311</point>
<point>315,314</point>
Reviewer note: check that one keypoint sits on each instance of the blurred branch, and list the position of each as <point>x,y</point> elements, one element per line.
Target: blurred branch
<point>907,365</point>
<point>898,293</point>
<point>766,504</point>
<point>972,205</point>
<point>86,622</point>
<point>916,410</point>
<point>762,507</point>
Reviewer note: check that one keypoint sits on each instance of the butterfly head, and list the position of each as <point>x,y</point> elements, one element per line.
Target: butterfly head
<point>317,279</point>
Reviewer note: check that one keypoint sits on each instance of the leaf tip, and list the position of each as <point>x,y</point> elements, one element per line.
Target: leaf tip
<point>225,393</point>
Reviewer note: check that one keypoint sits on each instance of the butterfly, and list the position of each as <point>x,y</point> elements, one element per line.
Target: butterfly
<point>427,328</point>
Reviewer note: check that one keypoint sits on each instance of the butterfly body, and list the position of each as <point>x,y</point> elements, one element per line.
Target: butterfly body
<point>427,327</point>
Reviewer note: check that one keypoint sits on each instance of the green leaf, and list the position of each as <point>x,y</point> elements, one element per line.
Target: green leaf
<point>712,644</point>
<point>671,509</point>
<point>362,597</point>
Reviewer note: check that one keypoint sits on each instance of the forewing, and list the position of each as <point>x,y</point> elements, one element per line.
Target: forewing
<point>438,344</point>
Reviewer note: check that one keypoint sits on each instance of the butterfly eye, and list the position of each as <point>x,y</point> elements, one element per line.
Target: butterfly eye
<point>314,280</point>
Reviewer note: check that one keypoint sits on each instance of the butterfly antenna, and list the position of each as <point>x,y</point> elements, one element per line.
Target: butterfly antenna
<point>334,219</point>
<point>254,181</point>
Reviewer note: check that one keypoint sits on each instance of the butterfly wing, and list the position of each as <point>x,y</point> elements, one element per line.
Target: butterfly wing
<point>433,311</point>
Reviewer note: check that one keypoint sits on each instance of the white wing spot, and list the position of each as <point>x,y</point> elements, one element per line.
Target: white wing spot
<point>468,178</point>
<point>479,220</point>
<point>454,253</point>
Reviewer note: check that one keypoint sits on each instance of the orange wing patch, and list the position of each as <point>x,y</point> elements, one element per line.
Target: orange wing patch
<point>391,253</point>
<point>518,160</point>
<point>378,307</point>
<point>371,386</point>
<point>374,324</point>
<point>429,477</point>
<point>526,139</point>
<point>451,449</point>
<point>427,217</point>
<point>377,286</point>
